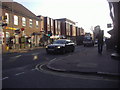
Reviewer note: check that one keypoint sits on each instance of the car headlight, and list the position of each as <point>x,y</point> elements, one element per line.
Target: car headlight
<point>58,47</point>
<point>46,46</point>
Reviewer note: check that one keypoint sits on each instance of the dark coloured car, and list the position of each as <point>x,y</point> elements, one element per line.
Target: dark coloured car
<point>61,46</point>
<point>88,41</point>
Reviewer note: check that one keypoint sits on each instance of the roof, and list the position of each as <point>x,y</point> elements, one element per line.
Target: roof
<point>19,9</point>
<point>65,19</point>
<point>64,39</point>
<point>57,36</point>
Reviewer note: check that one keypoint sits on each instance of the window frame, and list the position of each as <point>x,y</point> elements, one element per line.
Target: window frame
<point>30,23</point>
<point>7,20</point>
<point>23,21</point>
<point>37,24</point>
<point>16,20</point>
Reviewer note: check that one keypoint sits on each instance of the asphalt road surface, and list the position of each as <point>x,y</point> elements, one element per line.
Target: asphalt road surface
<point>20,70</point>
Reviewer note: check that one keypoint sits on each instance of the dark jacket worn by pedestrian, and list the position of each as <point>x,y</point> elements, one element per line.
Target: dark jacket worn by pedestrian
<point>100,37</point>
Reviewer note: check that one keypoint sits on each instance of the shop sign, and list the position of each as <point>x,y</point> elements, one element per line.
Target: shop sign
<point>10,28</point>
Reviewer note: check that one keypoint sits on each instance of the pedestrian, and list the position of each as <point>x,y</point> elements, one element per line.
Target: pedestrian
<point>100,41</point>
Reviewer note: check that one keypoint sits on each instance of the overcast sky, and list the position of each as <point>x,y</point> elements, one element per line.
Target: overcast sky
<point>86,12</point>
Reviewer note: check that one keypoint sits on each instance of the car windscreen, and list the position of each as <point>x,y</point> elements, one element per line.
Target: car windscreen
<point>59,42</point>
<point>87,39</point>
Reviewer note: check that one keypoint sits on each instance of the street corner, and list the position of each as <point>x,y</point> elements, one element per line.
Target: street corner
<point>87,65</point>
<point>54,65</point>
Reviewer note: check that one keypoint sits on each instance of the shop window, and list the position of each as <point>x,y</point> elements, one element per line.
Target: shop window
<point>23,21</point>
<point>15,20</point>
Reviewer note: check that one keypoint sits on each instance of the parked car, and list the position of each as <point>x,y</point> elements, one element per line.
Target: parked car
<point>61,46</point>
<point>88,42</point>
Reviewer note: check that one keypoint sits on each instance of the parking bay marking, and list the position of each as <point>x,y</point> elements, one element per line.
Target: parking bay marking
<point>19,73</point>
<point>4,78</point>
<point>16,56</point>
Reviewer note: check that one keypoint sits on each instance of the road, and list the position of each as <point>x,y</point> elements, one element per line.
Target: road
<point>20,71</point>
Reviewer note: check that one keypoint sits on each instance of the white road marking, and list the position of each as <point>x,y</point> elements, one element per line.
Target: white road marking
<point>33,69</point>
<point>41,67</point>
<point>18,56</point>
<point>35,57</point>
<point>19,73</point>
<point>43,64</point>
<point>53,60</point>
<point>37,67</point>
<point>4,78</point>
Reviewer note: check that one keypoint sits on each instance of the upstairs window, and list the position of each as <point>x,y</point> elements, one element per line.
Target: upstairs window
<point>48,21</point>
<point>51,23</point>
<point>7,20</point>
<point>15,20</point>
<point>23,21</point>
<point>30,23</point>
<point>37,24</point>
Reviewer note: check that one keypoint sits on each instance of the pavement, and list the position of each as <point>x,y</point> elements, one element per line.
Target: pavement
<point>88,61</point>
<point>23,50</point>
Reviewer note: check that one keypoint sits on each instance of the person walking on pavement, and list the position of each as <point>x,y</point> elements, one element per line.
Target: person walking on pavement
<point>100,41</point>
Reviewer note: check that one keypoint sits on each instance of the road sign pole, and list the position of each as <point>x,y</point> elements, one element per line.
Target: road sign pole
<point>4,40</point>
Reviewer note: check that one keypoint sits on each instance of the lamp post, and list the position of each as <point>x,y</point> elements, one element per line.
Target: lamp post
<point>4,24</point>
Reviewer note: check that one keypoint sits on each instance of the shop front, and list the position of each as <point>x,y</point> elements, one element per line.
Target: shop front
<point>35,39</point>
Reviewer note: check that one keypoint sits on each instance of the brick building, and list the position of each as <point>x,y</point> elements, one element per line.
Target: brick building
<point>82,31</point>
<point>20,22</point>
<point>42,28</point>
<point>48,25</point>
<point>57,27</point>
<point>65,26</point>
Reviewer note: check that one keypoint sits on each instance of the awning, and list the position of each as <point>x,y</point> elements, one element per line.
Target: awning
<point>57,36</point>
<point>54,37</point>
